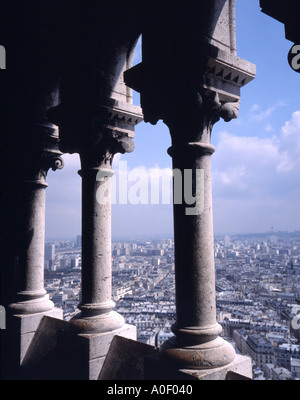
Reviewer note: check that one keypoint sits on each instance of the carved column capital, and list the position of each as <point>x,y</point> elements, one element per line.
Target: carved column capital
<point>49,159</point>
<point>98,132</point>
<point>191,114</point>
<point>100,153</point>
<point>40,153</point>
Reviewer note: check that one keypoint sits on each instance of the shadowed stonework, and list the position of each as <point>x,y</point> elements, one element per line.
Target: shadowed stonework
<point>66,84</point>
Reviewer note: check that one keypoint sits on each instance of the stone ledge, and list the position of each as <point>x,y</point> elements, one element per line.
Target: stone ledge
<point>28,323</point>
<point>97,345</point>
<point>125,360</point>
<point>57,352</point>
<point>239,369</point>
<point>94,348</point>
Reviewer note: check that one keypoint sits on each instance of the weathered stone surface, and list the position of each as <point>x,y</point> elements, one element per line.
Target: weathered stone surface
<point>91,349</point>
<point>97,315</point>
<point>17,338</point>
<point>112,132</point>
<point>125,360</point>
<point>97,345</point>
<point>44,340</point>
<point>56,353</point>
<point>28,323</point>
<point>241,365</point>
<point>239,369</point>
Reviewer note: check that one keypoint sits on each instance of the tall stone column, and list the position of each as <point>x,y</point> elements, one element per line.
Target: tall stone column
<point>96,119</point>
<point>190,77</point>
<point>196,344</point>
<point>29,301</point>
<point>31,296</point>
<point>97,315</point>
<point>108,131</point>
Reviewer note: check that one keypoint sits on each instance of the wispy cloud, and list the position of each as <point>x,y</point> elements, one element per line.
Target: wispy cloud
<point>256,185</point>
<point>268,128</point>
<point>257,179</point>
<point>259,114</point>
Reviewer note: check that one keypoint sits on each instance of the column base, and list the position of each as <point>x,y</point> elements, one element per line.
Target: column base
<point>18,335</point>
<point>213,354</point>
<point>58,353</point>
<point>94,348</point>
<point>32,306</point>
<point>239,369</point>
<point>101,323</point>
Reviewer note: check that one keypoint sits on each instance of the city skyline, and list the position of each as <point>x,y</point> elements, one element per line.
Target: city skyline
<point>255,168</point>
<point>257,294</point>
<point>158,237</point>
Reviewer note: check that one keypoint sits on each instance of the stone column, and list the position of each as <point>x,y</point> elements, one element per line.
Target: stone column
<point>30,301</point>
<point>31,296</point>
<point>196,344</point>
<point>97,315</point>
<point>96,119</point>
<point>109,129</point>
<point>190,77</point>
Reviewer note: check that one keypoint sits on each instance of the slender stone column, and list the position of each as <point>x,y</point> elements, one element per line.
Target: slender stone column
<point>108,129</point>
<point>196,344</point>
<point>31,297</point>
<point>96,307</point>
<point>190,87</point>
<point>115,133</point>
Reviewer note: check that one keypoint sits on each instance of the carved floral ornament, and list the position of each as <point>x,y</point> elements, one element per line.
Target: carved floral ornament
<point>225,110</point>
<point>199,108</point>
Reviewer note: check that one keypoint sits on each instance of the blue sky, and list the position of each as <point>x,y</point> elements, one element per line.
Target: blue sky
<point>256,166</point>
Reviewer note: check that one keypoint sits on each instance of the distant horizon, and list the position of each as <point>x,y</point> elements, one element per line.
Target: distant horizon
<point>171,236</point>
<point>255,168</point>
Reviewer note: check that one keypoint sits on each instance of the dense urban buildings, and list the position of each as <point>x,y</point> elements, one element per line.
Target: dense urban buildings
<point>69,90</point>
<point>257,284</point>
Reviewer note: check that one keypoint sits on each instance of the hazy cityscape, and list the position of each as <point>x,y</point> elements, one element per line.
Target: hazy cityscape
<point>257,293</point>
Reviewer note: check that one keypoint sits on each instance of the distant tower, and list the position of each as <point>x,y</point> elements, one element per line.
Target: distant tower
<point>78,241</point>
<point>50,253</point>
<point>227,241</point>
<point>170,243</point>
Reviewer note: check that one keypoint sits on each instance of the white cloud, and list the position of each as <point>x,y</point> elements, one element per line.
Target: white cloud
<point>254,107</point>
<point>289,144</point>
<point>146,194</point>
<point>292,127</point>
<point>268,128</point>
<point>258,179</point>
<point>256,185</point>
<point>71,161</point>
<point>259,115</point>
<point>63,200</point>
